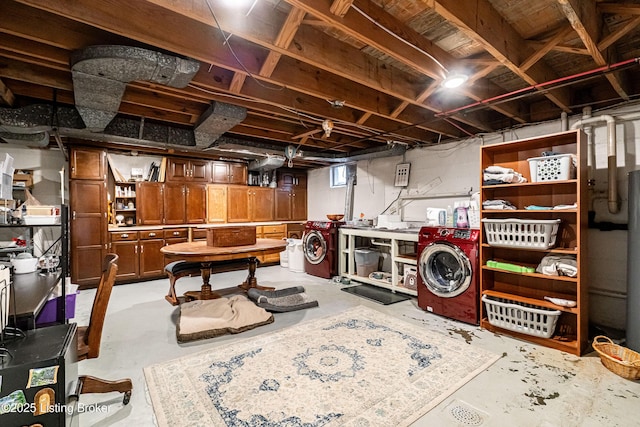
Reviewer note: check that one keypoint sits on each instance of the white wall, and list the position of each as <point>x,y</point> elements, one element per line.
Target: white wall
<point>455,167</point>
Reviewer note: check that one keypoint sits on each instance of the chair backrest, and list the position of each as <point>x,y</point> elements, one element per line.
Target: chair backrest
<point>99,310</point>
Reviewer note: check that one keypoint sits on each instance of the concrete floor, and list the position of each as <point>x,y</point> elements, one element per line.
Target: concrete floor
<point>528,386</point>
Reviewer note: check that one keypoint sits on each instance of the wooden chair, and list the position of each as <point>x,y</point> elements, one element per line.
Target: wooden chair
<point>89,336</point>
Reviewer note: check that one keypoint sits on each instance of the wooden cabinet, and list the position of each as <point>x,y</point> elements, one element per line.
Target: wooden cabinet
<point>238,203</point>
<point>151,259</point>
<point>150,203</point>
<point>292,178</point>
<point>290,204</point>
<point>125,245</point>
<point>276,231</point>
<point>526,245</point>
<point>216,203</point>
<point>139,252</point>
<point>196,203</point>
<point>88,230</point>
<point>261,203</point>
<point>88,163</point>
<point>228,173</point>
<point>184,203</point>
<point>192,170</point>
<point>174,201</point>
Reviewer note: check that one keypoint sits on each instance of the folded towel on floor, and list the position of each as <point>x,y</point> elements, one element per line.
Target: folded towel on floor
<point>202,319</point>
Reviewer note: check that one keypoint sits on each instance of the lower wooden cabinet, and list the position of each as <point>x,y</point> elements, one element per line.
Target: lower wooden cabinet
<point>139,252</point>
<point>277,231</point>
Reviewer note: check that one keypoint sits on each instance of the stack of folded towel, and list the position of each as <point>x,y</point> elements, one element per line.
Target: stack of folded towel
<point>498,204</point>
<point>501,175</point>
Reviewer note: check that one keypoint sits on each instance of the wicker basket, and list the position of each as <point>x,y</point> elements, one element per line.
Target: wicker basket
<point>619,360</point>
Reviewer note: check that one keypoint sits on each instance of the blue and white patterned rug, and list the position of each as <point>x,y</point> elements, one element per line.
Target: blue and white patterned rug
<point>357,368</point>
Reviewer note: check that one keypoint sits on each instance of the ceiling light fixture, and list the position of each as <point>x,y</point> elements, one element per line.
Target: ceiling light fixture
<point>454,80</point>
<point>327,127</point>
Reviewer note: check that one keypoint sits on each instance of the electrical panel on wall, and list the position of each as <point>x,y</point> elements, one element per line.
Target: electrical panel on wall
<point>402,174</point>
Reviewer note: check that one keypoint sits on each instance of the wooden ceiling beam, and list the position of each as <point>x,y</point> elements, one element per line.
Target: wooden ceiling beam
<point>340,7</point>
<point>409,47</point>
<point>610,39</point>
<point>482,23</point>
<point>619,8</point>
<point>546,47</point>
<point>191,38</point>
<point>6,95</point>
<point>585,20</point>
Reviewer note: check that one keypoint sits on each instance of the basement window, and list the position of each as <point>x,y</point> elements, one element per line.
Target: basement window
<point>339,174</point>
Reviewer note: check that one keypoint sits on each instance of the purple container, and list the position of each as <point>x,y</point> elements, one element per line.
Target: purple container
<point>48,312</point>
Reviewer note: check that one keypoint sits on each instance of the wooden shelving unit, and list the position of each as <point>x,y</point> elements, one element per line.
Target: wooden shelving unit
<point>570,333</point>
<point>125,203</point>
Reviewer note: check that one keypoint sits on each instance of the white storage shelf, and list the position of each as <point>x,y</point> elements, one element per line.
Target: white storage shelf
<point>397,241</point>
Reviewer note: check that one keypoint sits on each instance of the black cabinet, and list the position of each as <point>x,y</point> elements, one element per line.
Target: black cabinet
<point>42,372</point>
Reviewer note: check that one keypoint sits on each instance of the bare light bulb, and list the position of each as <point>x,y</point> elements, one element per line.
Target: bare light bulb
<point>327,127</point>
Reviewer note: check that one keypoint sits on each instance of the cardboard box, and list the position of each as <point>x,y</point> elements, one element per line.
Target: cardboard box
<point>23,180</point>
<point>231,236</point>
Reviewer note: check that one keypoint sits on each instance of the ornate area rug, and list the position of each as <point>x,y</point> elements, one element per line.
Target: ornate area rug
<point>357,368</point>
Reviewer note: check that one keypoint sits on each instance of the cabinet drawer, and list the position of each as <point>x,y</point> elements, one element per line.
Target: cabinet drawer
<point>176,232</point>
<point>279,229</point>
<point>199,234</point>
<point>123,236</point>
<point>151,234</point>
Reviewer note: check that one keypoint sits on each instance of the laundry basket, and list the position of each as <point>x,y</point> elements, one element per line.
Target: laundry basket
<point>521,233</point>
<point>518,317</point>
<point>619,360</point>
<point>552,168</point>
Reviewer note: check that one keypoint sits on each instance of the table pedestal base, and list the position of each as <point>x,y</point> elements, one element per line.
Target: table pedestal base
<point>205,291</point>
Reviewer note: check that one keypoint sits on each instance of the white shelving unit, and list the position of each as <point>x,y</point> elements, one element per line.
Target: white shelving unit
<point>402,249</point>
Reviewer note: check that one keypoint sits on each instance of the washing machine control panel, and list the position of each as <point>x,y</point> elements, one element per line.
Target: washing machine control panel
<point>461,234</point>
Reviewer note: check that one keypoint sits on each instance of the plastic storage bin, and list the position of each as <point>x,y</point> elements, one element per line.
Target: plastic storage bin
<point>518,317</point>
<point>521,233</point>
<point>551,168</point>
<point>48,314</point>
<point>284,259</point>
<point>367,261</point>
<point>295,255</point>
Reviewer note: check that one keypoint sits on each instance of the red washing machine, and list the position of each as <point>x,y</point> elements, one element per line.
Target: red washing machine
<point>448,282</point>
<point>320,248</point>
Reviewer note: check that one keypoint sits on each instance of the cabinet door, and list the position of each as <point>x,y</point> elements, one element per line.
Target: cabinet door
<point>151,259</point>
<point>261,204</point>
<point>128,266</point>
<point>216,203</point>
<point>87,163</point>
<point>219,172</point>
<point>196,203</point>
<point>238,203</point>
<point>299,204</point>
<point>199,171</point>
<point>237,173</point>
<point>150,203</point>
<point>282,204</point>
<point>88,230</point>
<point>177,170</point>
<point>174,203</point>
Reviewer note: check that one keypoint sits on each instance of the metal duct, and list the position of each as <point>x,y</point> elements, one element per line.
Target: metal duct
<point>100,75</point>
<point>266,164</point>
<point>39,139</point>
<point>218,119</point>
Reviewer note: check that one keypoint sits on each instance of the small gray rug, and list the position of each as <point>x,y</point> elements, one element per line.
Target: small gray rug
<point>376,293</point>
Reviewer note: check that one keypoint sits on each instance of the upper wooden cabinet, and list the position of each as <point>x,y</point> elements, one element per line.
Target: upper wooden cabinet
<point>261,203</point>
<point>290,204</point>
<point>196,203</point>
<point>216,203</point>
<point>192,170</point>
<point>184,203</point>
<point>292,178</point>
<point>238,203</point>
<point>150,203</point>
<point>88,163</point>
<point>228,173</point>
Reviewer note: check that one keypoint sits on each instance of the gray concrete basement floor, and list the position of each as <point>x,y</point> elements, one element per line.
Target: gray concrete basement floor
<point>529,386</point>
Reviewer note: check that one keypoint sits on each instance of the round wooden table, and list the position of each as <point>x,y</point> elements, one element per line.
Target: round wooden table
<point>207,256</point>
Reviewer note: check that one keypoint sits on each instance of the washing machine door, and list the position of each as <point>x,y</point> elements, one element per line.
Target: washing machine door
<point>445,269</point>
<point>314,247</point>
